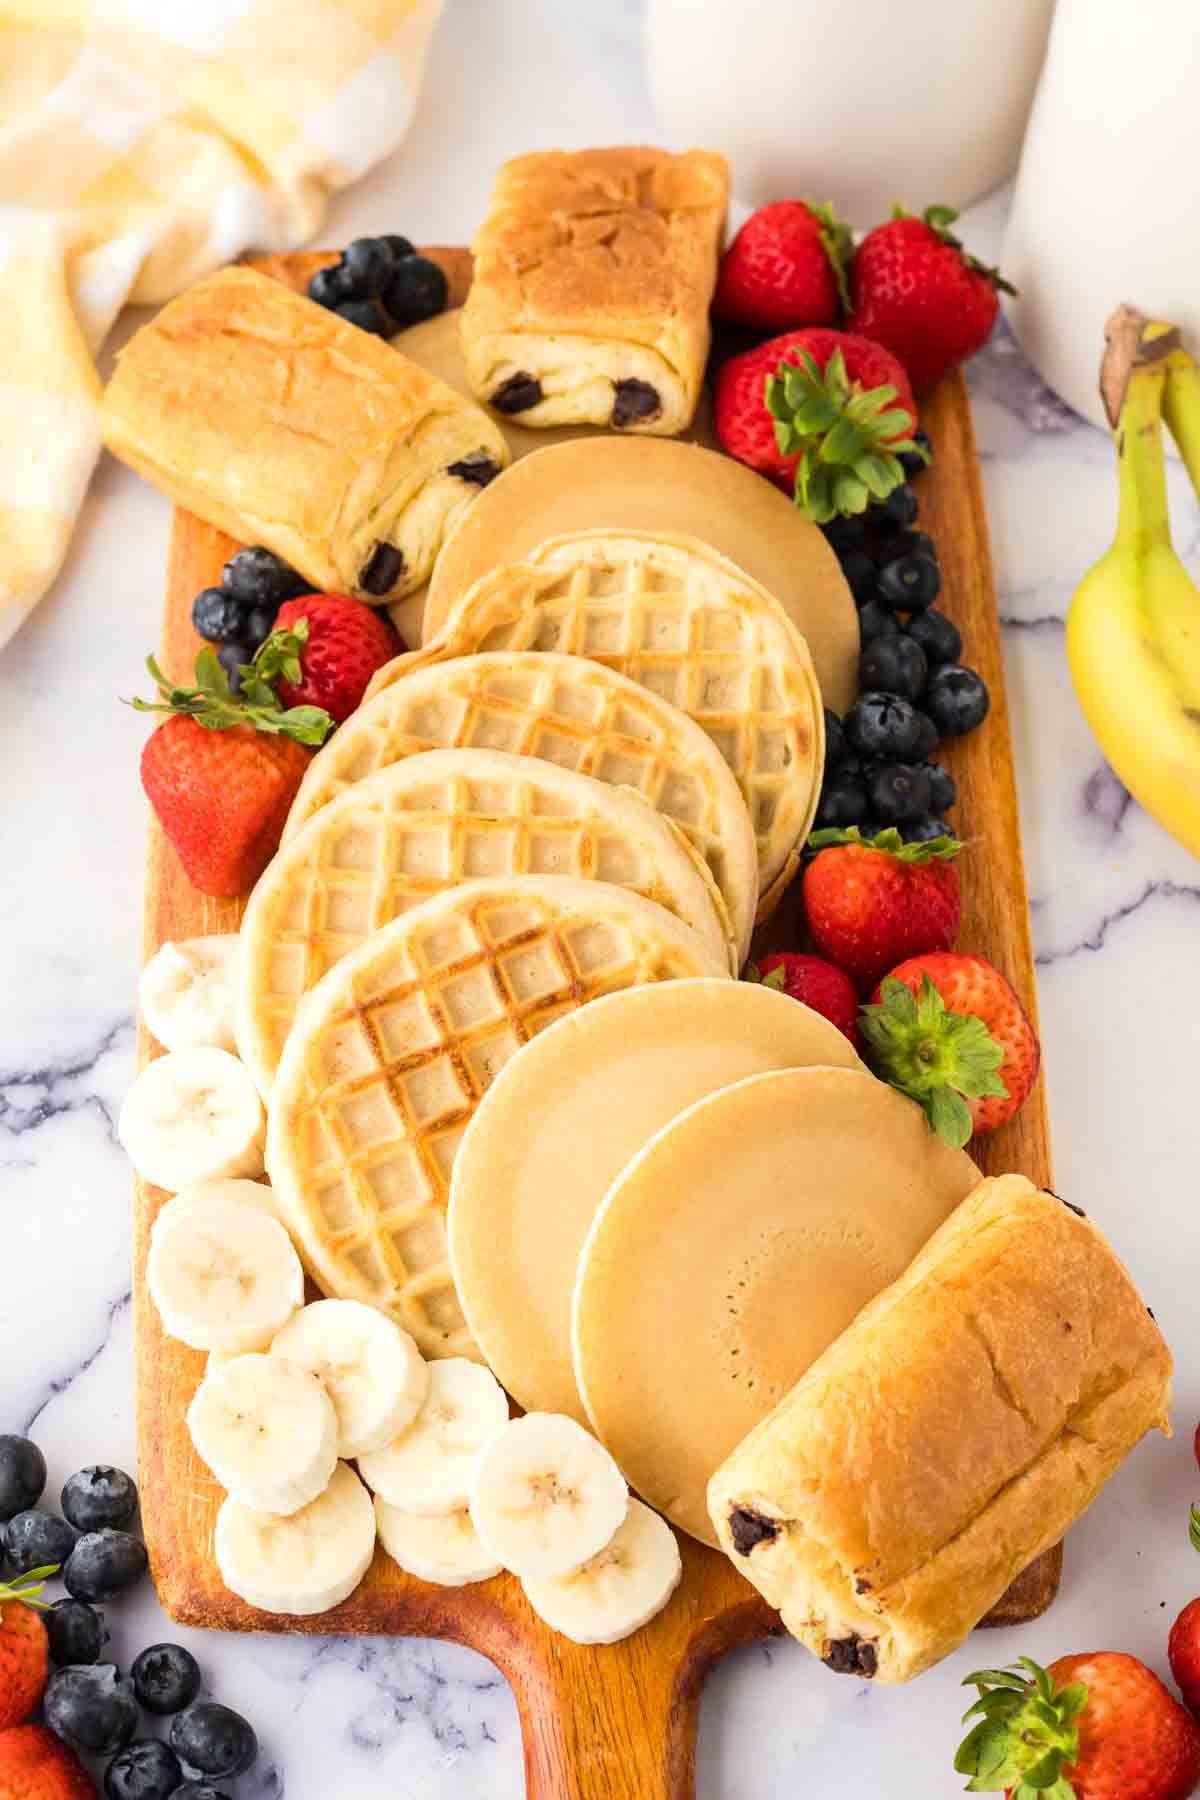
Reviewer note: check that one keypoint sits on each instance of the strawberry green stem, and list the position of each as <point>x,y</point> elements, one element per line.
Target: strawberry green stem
<point>26,1588</point>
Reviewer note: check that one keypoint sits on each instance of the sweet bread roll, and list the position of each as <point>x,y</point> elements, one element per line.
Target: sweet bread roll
<point>949,1436</point>
<point>286,426</point>
<point>594,270</point>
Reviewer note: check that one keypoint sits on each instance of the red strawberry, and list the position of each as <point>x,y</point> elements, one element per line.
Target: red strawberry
<point>822,414</point>
<point>24,1649</point>
<point>346,643</point>
<point>948,1030</point>
<point>1183,1650</point>
<point>785,267</point>
<point>816,983</point>
<point>34,1765</point>
<point>871,903</point>
<point>222,772</point>
<point>914,288</point>
<point>1099,1727</point>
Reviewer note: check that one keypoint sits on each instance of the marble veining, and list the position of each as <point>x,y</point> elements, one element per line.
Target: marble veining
<point>1115,919</point>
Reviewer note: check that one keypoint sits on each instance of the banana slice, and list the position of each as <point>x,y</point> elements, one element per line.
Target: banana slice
<point>267,1430</point>
<point>193,1115</point>
<point>187,993</point>
<point>303,1563</point>
<point>546,1495</point>
<point>245,1193</point>
<point>370,1368</point>
<point>445,1550</point>
<point>619,1590</point>
<point>428,1468</point>
<point>217,1359</point>
<point>223,1275</point>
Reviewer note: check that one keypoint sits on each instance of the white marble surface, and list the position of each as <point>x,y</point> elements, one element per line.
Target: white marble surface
<point>1116,907</point>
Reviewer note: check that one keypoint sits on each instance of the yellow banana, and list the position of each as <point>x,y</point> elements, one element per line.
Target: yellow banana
<point>1133,629</point>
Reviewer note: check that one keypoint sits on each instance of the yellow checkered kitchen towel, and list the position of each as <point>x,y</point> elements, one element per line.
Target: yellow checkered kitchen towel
<point>142,144</point>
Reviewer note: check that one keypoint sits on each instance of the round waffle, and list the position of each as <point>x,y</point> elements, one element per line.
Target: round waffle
<point>692,627</point>
<point>762,1220</point>
<point>567,711</point>
<point>427,823</point>
<point>391,1052</point>
<point>662,486</point>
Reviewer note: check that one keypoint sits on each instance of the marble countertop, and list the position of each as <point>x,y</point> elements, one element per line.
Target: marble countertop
<point>1116,909</point>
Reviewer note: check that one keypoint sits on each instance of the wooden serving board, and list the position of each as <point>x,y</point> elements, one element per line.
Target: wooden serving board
<point>615,1723</point>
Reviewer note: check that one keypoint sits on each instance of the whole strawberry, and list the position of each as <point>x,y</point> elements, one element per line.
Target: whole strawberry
<point>1098,1727</point>
<point>24,1648</point>
<point>346,642</point>
<point>816,983</point>
<point>914,288</point>
<point>872,902</point>
<point>949,1030</point>
<point>1183,1652</point>
<point>35,1765</point>
<point>823,414</point>
<point>785,267</point>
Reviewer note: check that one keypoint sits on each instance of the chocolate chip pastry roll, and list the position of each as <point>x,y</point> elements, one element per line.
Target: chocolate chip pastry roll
<point>950,1435</point>
<point>286,426</point>
<point>594,270</point>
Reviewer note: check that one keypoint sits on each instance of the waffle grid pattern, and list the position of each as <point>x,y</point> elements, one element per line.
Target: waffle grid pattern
<point>382,1075</point>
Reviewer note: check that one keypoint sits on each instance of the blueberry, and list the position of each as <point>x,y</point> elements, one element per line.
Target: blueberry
<point>924,829</point>
<point>845,533</point>
<point>882,725</point>
<point>859,570</point>
<point>943,790</point>
<point>371,265</point>
<point>927,743</point>
<point>259,624</point>
<point>232,657</point>
<point>99,1496</point>
<point>334,285</point>
<point>894,665</point>
<point>22,1475</point>
<point>417,291</point>
<point>91,1708</point>
<point>366,315</point>
<point>910,584</point>
<point>909,461</point>
<point>876,621</point>
<point>261,578</point>
<point>843,798</point>
<point>76,1632</point>
<point>32,1540</point>
<point>398,247</point>
<point>899,792</point>
<point>835,740</point>
<point>198,1790</point>
<point>166,1678</point>
<point>103,1564</point>
<point>956,699</point>
<point>906,543</point>
<point>897,511</point>
<point>217,615</point>
<point>213,1739</point>
<point>145,1770</point>
<point>938,636</point>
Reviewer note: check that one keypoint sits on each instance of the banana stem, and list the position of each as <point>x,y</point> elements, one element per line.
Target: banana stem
<point>1181,410</point>
<point>1132,380</point>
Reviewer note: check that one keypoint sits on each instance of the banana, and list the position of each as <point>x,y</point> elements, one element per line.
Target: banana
<point>223,1275</point>
<point>546,1496</point>
<point>267,1430</point>
<point>427,1469</point>
<point>444,1549</point>
<point>620,1589</point>
<point>187,993</point>
<point>303,1563</point>
<point>370,1368</point>
<point>236,1188</point>
<point>193,1115</point>
<point>1133,629</point>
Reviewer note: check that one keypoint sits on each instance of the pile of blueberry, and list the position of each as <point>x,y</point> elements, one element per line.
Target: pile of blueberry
<point>90,1704</point>
<point>380,284</point>
<point>240,613</point>
<point>913,689</point>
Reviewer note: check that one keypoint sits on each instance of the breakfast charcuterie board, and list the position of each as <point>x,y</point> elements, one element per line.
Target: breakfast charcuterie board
<point>617,1721</point>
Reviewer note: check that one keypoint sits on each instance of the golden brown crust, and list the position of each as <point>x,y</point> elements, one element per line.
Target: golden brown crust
<point>595,267</point>
<point>951,1434</point>
<point>286,426</point>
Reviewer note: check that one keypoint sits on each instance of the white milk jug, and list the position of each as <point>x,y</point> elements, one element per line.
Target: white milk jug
<point>1107,202</point>
<point>862,102</point>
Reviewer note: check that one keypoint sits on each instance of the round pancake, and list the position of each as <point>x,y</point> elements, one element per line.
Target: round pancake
<point>659,485</point>
<point>731,1252</point>
<point>522,1198</point>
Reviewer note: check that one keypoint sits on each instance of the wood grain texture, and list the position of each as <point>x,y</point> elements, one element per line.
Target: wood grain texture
<point>615,1723</point>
